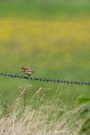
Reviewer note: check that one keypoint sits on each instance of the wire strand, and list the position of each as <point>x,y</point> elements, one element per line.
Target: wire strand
<point>45,79</point>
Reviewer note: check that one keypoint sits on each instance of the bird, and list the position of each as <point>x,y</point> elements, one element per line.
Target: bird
<point>27,71</point>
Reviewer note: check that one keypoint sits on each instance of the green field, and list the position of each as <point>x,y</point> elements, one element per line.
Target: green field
<point>53,51</point>
<point>45,9</point>
<point>53,39</point>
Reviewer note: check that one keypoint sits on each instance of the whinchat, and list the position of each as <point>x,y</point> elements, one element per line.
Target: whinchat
<point>27,71</point>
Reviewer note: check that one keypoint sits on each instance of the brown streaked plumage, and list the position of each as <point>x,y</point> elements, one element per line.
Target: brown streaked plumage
<point>27,71</point>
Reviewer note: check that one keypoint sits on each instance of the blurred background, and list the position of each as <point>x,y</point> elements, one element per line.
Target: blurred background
<point>52,37</point>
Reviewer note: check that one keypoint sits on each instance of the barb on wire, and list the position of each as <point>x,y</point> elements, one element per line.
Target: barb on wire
<point>45,79</point>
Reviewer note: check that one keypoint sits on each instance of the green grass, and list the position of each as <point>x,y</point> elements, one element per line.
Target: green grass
<point>44,9</point>
<point>76,70</point>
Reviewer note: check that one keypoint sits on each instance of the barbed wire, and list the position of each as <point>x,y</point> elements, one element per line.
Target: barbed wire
<point>45,79</point>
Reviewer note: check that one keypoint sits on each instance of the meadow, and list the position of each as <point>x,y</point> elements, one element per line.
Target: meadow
<point>55,43</point>
<point>52,48</point>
